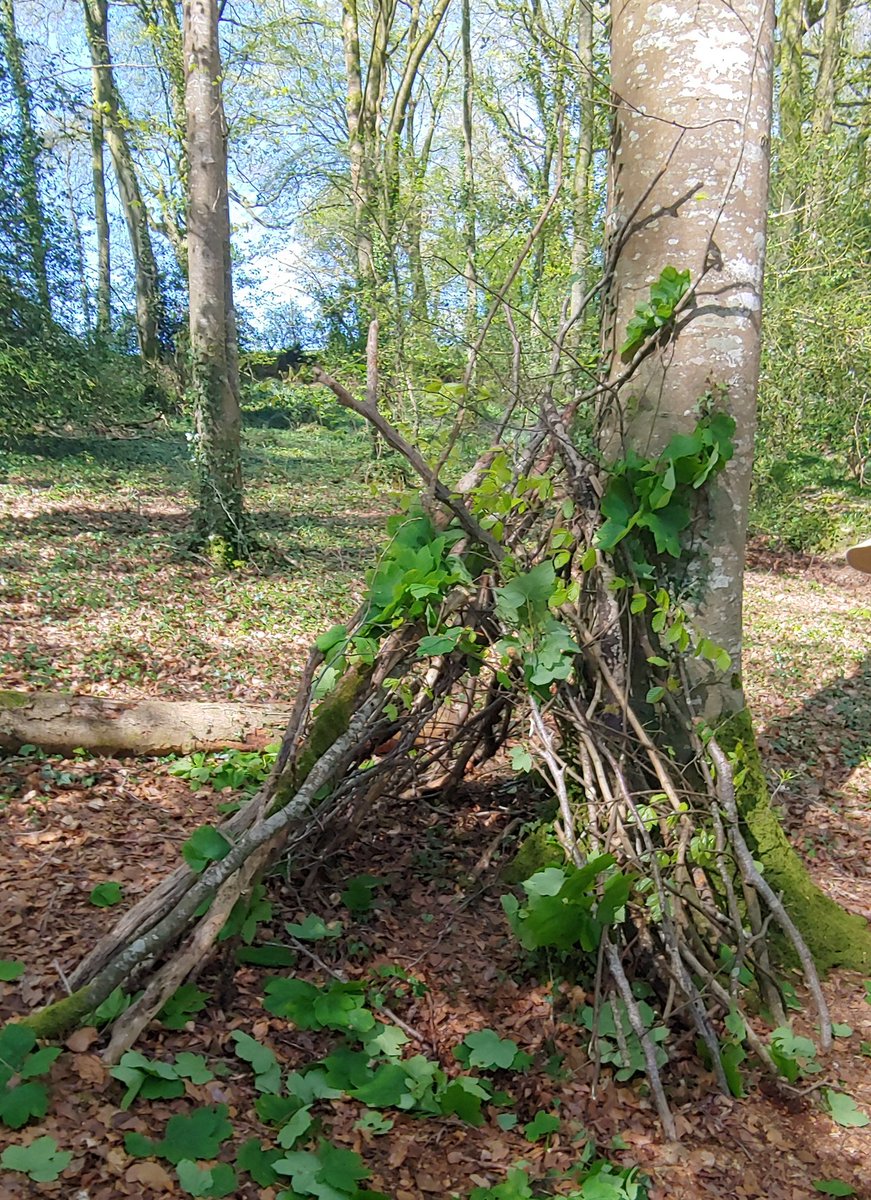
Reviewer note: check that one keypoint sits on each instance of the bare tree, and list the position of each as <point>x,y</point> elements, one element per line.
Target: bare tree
<point>107,101</point>
<point>214,350</point>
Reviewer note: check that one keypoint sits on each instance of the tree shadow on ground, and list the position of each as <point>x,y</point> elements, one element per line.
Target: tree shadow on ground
<point>107,452</point>
<point>829,735</point>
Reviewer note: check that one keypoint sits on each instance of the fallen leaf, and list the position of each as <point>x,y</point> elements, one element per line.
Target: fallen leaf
<point>150,1174</point>
<point>82,1039</point>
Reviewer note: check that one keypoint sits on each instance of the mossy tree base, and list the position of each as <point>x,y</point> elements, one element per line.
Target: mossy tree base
<point>835,937</point>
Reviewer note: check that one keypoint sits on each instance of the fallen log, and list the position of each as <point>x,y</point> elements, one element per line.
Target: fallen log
<point>61,724</point>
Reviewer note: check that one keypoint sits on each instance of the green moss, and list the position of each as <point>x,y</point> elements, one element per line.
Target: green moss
<point>835,937</point>
<point>14,699</point>
<point>538,850</point>
<point>330,721</point>
<point>58,1019</point>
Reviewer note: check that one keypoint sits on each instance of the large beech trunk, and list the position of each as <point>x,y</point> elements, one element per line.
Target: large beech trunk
<point>61,724</point>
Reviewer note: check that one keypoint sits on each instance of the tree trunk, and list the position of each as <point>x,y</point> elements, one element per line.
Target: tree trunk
<point>60,724</point>
<point>101,216</point>
<point>214,351</point>
<point>34,218</point>
<point>825,95</point>
<point>694,198</point>
<point>689,189</point>
<point>164,35</point>
<point>581,216</point>
<point>135,213</point>
<point>791,24</point>
<point>467,190</point>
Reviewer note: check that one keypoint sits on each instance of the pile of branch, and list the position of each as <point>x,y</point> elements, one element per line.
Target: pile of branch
<point>618,793</point>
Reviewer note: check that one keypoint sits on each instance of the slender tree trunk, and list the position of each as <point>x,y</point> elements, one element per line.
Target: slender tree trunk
<point>101,219</point>
<point>34,218</point>
<point>467,193</point>
<point>825,96</point>
<point>581,216</point>
<point>79,244</point>
<point>161,22</point>
<point>214,352</point>
<point>691,192</point>
<point>135,213</point>
<point>791,24</point>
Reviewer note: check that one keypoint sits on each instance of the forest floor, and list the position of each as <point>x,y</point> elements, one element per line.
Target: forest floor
<point>98,595</point>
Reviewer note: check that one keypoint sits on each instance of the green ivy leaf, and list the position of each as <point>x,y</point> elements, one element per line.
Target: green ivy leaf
<point>104,895</point>
<point>39,1062</point>
<point>331,638</point>
<point>10,969</point>
<point>205,845</point>
<point>268,955</point>
<point>40,1160</point>
<point>358,895</point>
<point>292,999</point>
<point>521,759</point>
<point>193,1067</point>
<point>834,1187</point>
<point>219,1180</point>
<point>463,1097</point>
<point>488,1050</point>
<point>196,1136</point>
<point>298,1125</point>
<point>385,1089</point>
<point>844,1109</point>
<point>26,1102</point>
<point>267,1073</point>
<point>182,1006</point>
<point>139,1146</point>
<point>257,1161</point>
<point>314,929</point>
<point>341,1168</point>
<point>542,1125</point>
<point>374,1123</point>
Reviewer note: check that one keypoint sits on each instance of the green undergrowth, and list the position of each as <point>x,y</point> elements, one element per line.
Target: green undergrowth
<point>287,1141</point>
<point>95,534</point>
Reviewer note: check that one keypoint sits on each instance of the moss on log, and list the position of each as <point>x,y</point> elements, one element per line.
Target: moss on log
<point>835,937</point>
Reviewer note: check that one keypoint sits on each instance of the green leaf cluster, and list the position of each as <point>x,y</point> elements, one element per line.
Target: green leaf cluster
<point>603,1027</point>
<point>542,643</point>
<point>239,770</point>
<point>22,1098</point>
<point>654,314</point>
<point>182,1006</point>
<point>246,914</point>
<point>793,1055</point>
<point>40,1160</point>
<point>652,495</point>
<point>564,909</point>
<point>153,1080</point>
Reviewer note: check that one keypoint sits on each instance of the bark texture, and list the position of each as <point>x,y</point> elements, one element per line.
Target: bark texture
<point>689,189</point>
<point>107,102</point>
<point>31,144</point>
<point>61,724</point>
<point>214,350</point>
